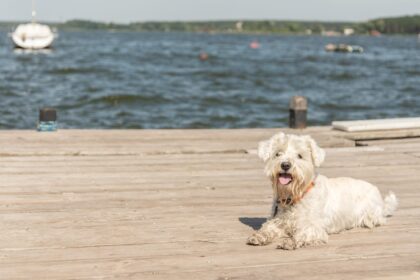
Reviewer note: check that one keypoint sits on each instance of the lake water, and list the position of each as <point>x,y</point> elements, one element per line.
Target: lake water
<point>155,80</point>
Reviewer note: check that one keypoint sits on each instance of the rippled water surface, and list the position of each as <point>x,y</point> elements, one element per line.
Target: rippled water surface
<point>155,80</point>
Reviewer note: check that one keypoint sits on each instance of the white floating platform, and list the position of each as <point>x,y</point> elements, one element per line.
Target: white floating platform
<point>381,124</point>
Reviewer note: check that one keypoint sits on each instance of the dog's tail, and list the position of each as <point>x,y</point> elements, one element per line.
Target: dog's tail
<point>390,204</point>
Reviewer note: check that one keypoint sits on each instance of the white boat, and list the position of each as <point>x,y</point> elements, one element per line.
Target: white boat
<point>33,36</point>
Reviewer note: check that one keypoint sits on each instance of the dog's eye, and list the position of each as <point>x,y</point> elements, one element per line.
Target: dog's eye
<point>300,156</point>
<point>278,154</point>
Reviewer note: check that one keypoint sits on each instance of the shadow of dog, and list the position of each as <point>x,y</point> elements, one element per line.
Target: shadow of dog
<point>254,223</point>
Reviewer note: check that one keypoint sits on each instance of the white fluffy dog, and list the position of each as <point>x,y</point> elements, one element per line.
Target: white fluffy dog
<point>307,206</point>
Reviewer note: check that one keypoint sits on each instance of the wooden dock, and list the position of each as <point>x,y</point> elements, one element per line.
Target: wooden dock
<point>179,204</point>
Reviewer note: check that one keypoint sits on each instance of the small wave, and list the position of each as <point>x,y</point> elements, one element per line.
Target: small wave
<point>312,58</point>
<point>410,89</point>
<point>344,76</point>
<point>215,101</point>
<point>74,71</point>
<point>328,106</point>
<point>413,72</point>
<point>130,99</point>
<point>114,100</point>
<point>224,119</point>
<point>345,62</point>
<point>5,92</point>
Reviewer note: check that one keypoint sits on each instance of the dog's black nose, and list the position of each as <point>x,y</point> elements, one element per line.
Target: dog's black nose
<point>286,165</point>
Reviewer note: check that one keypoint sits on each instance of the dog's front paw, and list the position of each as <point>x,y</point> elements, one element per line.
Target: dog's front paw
<point>257,239</point>
<point>287,244</point>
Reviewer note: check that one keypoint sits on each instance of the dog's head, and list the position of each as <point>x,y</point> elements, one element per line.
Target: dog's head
<point>290,164</point>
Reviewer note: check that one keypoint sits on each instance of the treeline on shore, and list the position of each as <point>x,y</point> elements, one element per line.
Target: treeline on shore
<point>396,25</point>
<point>264,26</point>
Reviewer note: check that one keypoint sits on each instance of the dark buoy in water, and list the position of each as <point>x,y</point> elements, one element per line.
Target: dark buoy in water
<point>203,56</point>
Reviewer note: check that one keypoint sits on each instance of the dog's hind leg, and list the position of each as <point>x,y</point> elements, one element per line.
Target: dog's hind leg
<point>269,231</point>
<point>372,219</point>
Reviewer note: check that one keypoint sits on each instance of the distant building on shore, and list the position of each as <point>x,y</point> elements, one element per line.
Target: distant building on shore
<point>239,26</point>
<point>330,33</point>
<point>348,31</point>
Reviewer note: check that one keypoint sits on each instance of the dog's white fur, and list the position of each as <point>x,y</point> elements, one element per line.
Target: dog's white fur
<point>331,206</point>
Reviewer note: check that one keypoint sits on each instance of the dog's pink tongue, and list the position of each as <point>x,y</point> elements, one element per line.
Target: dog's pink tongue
<point>285,179</point>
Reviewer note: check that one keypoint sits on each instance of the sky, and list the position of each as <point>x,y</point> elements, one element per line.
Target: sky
<point>125,11</point>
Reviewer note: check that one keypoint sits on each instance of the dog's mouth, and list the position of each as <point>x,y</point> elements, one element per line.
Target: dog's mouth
<point>284,179</point>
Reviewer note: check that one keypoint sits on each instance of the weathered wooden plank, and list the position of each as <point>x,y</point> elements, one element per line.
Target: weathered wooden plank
<point>99,142</point>
<point>250,160</point>
<point>382,134</point>
<point>247,264</point>
<point>378,124</point>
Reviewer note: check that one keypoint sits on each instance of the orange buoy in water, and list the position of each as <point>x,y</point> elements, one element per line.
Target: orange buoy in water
<point>204,56</point>
<point>254,45</point>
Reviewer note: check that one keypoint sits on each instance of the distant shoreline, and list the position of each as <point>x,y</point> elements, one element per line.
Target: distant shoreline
<point>405,25</point>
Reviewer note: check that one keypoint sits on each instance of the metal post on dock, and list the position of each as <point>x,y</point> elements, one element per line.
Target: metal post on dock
<point>47,119</point>
<point>298,108</point>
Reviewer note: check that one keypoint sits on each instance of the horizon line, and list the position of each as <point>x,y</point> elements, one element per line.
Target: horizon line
<point>209,20</point>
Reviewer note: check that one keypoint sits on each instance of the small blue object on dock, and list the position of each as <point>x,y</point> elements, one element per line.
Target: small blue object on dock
<point>47,120</point>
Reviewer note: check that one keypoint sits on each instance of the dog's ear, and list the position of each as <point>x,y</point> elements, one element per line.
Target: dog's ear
<point>318,154</point>
<point>264,150</point>
<point>265,147</point>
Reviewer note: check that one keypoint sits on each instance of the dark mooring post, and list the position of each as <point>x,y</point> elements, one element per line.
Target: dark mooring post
<point>47,119</point>
<point>298,109</point>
